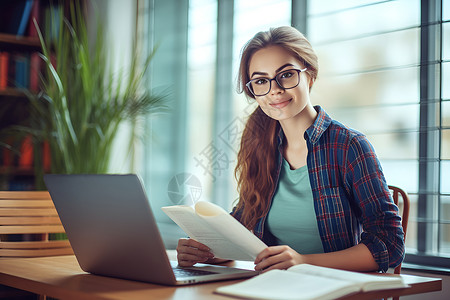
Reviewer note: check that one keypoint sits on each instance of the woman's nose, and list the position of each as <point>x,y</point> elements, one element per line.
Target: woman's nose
<point>275,88</point>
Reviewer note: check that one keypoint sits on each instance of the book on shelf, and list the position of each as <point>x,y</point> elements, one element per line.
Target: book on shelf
<point>26,153</point>
<point>52,15</point>
<point>308,282</point>
<point>19,70</point>
<point>46,157</point>
<point>7,157</point>
<point>34,15</point>
<point>211,225</point>
<point>15,16</point>
<point>22,70</point>
<point>34,71</point>
<point>24,20</point>
<point>4,66</point>
<point>21,183</point>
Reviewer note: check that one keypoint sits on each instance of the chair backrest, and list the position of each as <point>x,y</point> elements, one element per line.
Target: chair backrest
<point>397,194</point>
<point>26,220</point>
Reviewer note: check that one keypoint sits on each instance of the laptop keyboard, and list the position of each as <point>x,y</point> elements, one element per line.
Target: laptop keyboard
<point>180,272</point>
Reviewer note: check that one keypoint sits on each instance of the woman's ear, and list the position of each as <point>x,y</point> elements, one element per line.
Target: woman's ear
<point>311,82</point>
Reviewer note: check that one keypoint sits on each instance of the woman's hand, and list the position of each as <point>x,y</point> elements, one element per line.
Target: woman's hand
<point>277,257</point>
<point>190,252</point>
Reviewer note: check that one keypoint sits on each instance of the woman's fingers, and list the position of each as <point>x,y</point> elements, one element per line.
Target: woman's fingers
<point>192,244</point>
<point>269,251</point>
<point>186,260</point>
<point>277,257</point>
<point>190,252</point>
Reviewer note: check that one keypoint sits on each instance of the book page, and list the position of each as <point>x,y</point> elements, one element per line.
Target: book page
<point>205,231</point>
<point>278,284</point>
<point>367,282</point>
<point>187,219</point>
<point>229,227</point>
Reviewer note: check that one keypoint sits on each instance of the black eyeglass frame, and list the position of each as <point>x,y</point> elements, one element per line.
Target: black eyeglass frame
<point>248,84</point>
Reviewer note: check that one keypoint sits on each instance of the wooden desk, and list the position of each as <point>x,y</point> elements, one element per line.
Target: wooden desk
<point>61,277</point>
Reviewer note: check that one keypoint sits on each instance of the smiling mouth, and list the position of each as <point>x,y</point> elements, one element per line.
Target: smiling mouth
<point>280,104</point>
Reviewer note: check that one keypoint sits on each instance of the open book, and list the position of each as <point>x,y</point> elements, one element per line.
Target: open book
<point>309,282</point>
<point>213,226</point>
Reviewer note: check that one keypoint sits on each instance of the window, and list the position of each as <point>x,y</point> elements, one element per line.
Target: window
<point>445,132</point>
<point>383,77</point>
<point>201,83</point>
<point>369,79</point>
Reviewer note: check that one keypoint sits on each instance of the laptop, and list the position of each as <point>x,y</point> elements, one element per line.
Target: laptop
<point>111,228</point>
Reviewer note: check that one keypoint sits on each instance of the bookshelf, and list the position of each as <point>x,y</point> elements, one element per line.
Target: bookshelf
<point>19,72</point>
<point>13,42</point>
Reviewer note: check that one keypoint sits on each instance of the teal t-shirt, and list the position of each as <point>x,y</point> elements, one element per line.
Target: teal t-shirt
<point>292,219</point>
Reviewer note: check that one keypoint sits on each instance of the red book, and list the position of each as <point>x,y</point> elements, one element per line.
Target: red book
<point>46,160</point>
<point>4,62</point>
<point>32,31</point>
<point>26,153</point>
<point>8,156</point>
<point>35,69</point>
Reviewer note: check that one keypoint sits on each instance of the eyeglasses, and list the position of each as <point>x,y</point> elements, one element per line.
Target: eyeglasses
<point>288,79</point>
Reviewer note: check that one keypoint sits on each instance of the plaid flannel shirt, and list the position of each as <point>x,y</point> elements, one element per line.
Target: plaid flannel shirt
<point>351,197</point>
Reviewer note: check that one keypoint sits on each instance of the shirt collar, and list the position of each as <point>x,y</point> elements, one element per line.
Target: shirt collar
<point>315,131</point>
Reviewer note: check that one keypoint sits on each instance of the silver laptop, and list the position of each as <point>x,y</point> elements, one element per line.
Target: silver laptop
<point>112,230</point>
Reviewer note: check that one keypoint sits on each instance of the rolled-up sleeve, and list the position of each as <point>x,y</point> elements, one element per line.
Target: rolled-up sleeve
<point>382,231</point>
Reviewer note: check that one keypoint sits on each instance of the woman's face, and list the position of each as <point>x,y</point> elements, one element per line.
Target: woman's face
<point>279,104</point>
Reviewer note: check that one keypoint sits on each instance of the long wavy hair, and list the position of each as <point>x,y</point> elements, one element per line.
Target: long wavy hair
<point>256,160</point>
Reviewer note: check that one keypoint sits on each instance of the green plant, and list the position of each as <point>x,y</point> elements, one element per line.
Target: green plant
<point>83,100</point>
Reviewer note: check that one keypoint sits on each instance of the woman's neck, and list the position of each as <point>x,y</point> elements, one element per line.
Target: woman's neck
<point>295,127</point>
<point>295,149</point>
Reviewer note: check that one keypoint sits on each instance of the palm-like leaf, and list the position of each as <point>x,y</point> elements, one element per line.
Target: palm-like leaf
<point>83,100</point>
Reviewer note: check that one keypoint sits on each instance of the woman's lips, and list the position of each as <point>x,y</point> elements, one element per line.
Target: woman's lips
<point>280,104</point>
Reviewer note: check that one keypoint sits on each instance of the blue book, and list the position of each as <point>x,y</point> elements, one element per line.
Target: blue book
<point>25,17</point>
<point>22,71</point>
<point>14,16</point>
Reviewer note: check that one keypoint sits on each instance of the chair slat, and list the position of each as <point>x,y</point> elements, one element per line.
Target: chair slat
<point>35,252</point>
<point>26,203</point>
<point>397,194</point>
<point>31,229</point>
<point>30,220</point>
<point>28,212</point>
<point>35,244</point>
<point>25,195</point>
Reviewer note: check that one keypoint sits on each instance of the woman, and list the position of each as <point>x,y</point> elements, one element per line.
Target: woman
<point>312,189</point>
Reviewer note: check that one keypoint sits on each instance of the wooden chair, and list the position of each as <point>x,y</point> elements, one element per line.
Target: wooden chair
<point>397,194</point>
<point>26,220</point>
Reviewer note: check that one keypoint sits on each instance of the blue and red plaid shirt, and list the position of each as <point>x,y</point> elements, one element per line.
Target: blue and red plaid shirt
<point>351,197</point>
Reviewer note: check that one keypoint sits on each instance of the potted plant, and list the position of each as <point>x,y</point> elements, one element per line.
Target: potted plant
<point>83,101</point>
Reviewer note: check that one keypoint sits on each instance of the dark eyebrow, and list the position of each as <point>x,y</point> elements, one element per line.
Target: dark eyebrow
<point>258,73</point>
<point>283,66</point>
<point>276,71</point>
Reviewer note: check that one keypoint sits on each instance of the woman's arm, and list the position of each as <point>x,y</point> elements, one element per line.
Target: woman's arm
<point>382,230</point>
<point>356,258</point>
